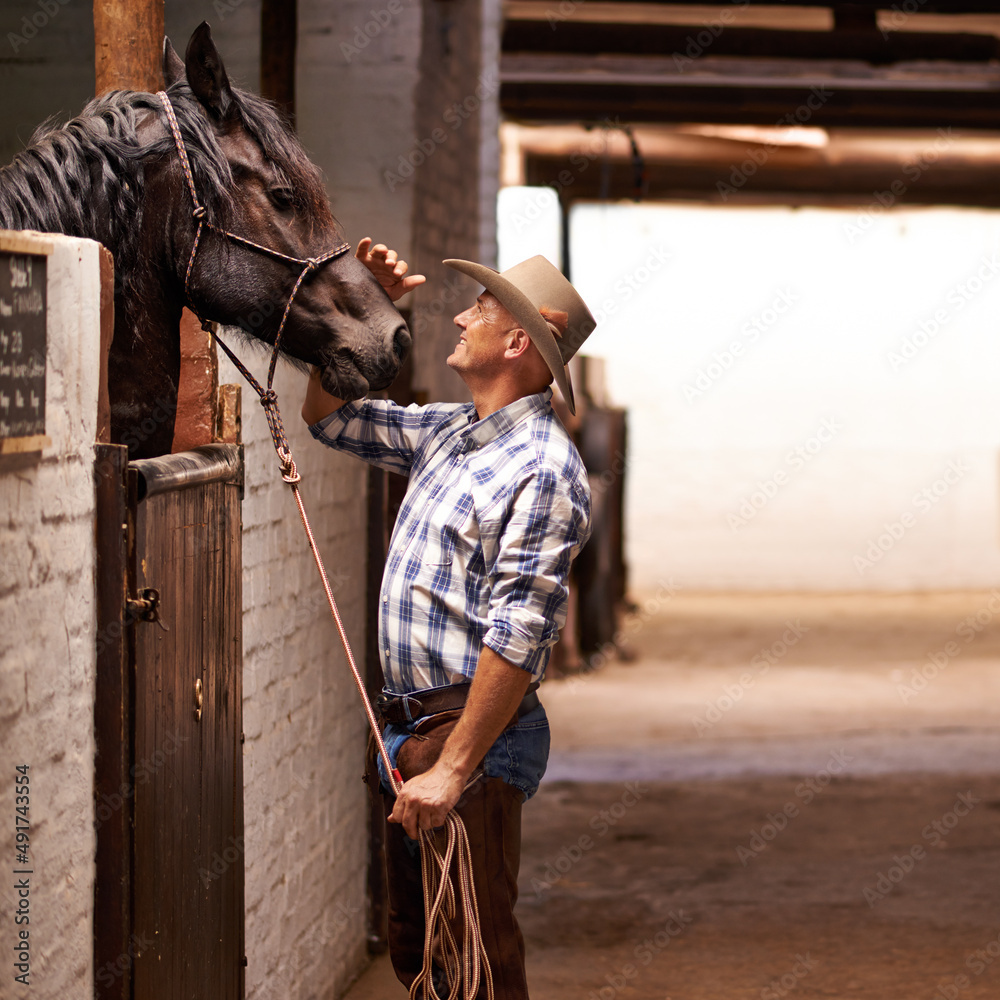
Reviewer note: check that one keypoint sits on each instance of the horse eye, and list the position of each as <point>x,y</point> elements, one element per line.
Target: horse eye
<point>282,197</point>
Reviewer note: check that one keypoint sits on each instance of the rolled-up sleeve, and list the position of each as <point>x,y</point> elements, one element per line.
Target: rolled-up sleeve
<point>379,431</point>
<point>548,521</point>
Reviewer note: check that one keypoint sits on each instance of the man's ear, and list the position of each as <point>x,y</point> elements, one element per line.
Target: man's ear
<point>518,342</point>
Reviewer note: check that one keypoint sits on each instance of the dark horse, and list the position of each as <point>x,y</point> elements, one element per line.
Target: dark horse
<point>113,175</point>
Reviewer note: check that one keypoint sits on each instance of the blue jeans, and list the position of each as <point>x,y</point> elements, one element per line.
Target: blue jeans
<point>518,756</point>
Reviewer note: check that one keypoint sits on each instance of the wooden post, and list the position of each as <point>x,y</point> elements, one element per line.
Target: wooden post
<point>128,45</point>
<point>278,37</point>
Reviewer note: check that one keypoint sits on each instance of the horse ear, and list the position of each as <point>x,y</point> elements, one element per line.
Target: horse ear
<point>173,68</point>
<point>205,72</point>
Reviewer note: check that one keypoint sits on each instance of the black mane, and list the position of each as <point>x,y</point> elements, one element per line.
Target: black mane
<point>85,178</point>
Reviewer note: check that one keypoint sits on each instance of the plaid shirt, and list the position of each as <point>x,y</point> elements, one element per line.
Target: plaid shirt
<point>495,511</point>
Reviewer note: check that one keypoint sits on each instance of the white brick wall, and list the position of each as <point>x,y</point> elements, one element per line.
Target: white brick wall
<point>47,645</point>
<point>305,805</point>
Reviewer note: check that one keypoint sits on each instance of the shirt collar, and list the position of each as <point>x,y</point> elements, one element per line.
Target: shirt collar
<point>499,423</point>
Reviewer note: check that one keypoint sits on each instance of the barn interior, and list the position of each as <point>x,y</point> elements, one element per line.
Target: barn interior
<point>774,734</point>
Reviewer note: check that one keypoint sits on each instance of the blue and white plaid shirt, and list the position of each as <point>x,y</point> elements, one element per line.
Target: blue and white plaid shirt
<point>495,511</point>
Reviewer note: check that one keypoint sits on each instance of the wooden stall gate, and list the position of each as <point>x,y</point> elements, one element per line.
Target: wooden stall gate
<point>170,865</point>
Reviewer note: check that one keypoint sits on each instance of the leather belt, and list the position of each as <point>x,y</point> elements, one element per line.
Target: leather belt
<point>402,709</point>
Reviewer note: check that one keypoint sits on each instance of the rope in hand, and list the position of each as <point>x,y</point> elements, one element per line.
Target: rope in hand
<point>464,967</point>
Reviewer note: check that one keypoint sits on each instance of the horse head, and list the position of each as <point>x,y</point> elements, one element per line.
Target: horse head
<point>256,182</point>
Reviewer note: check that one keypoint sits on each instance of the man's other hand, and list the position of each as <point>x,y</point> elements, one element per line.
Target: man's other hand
<point>388,269</point>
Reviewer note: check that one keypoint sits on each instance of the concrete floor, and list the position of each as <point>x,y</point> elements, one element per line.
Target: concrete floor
<point>763,769</point>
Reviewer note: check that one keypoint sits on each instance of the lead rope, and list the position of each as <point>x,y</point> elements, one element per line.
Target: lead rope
<point>463,970</point>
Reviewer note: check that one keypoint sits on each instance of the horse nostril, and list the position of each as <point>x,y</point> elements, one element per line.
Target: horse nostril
<point>401,342</point>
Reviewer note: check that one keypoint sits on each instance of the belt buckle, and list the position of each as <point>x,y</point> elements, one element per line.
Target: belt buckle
<point>403,708</point>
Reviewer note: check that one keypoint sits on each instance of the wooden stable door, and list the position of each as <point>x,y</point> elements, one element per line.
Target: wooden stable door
<point>177,911</point>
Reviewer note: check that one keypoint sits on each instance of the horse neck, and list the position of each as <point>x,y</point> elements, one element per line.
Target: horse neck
<point>57,185</point>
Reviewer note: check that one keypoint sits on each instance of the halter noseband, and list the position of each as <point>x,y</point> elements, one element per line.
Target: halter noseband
<point>309,264</point>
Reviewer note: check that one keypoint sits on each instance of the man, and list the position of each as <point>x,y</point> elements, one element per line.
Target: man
<point>475,584</point>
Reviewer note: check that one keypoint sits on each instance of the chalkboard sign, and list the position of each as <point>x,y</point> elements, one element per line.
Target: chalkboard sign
<point>22,347</point>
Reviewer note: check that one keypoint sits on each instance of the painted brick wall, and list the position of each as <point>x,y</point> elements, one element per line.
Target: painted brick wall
<point>453,198</point>
<point>305,805</point>
<point>355,92</point>
<point>47,645</point>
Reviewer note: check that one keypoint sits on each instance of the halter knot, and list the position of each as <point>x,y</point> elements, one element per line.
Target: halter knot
<point>199,212</point>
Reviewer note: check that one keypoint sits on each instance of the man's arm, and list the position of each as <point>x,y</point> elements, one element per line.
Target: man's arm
<point>318,402</point>
<point>497,689</point>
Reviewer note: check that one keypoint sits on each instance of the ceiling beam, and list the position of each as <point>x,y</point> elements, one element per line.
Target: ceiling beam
<point>749,91</point>
<point>690,42</point>
<point>872,186</point>
<point>924,6</point>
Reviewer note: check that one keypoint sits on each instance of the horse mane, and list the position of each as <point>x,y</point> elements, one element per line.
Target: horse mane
<point>85,178</point>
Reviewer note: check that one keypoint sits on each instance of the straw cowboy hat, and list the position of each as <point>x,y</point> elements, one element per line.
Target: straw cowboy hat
<point>523,290</point>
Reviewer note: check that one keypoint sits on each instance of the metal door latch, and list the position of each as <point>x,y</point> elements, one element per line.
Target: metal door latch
<point>146,607</point>
<point>199,698</point>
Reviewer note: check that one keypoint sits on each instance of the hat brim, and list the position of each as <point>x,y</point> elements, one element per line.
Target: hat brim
<point>526,313</point>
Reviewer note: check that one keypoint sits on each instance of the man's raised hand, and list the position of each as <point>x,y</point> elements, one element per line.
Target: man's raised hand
<point>388,269</point>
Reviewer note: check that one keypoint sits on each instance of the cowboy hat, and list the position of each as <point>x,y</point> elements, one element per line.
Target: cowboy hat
<point>526,288</point>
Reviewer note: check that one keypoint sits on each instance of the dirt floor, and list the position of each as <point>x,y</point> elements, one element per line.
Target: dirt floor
<point>779,796</point>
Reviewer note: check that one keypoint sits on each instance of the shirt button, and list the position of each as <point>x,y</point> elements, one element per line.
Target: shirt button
<point>385,599</point>
<point>387,652</point>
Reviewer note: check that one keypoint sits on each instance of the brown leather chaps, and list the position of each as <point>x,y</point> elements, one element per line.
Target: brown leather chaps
<point>491,811</point>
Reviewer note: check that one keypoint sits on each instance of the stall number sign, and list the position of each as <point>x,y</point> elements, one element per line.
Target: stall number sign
<point>22,345</point>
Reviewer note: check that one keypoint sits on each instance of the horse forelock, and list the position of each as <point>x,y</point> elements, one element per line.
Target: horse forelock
<point>284,153</point>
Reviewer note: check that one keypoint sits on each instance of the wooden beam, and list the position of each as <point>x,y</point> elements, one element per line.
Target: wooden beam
<point>925,7</point>
<point>693,41</point>
<point>278,39</point>
<point>786,177</point>
<point>128,45</point>
<point>724,90</point>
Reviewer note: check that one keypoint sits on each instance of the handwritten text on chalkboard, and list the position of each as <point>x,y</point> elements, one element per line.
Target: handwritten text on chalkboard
<point>22,345</point>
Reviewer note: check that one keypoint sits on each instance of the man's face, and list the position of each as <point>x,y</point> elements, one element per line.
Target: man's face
<point>482,339</point>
